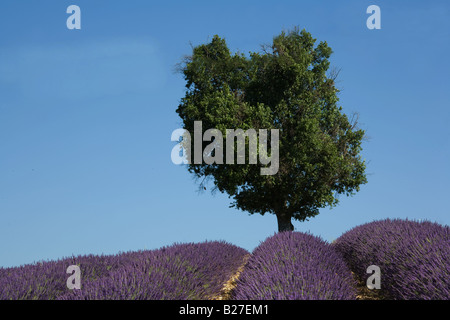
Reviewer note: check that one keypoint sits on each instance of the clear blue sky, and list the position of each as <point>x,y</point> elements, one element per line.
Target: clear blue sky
<point>86,117</point>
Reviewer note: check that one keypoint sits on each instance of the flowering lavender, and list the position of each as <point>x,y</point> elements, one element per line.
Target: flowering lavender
<point>295,266</point>
<point>180,271</point>
<point>414,257</point>
<point>46,280</point>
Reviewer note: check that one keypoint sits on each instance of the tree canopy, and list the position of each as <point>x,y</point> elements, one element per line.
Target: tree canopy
<point>286,86</point>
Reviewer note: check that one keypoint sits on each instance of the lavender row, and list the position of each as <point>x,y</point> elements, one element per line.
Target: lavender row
<point>413,257</point>
<point>295,266</point>
<point>180,271</point>
<point>47,280</point>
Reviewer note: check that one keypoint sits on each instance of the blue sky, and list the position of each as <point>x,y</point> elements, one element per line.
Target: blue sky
<point>86,118</point>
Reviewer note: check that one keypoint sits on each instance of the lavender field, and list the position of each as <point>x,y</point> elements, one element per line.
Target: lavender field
<point>177,272</point>
<point>295,266</point>
<point>414,258</point>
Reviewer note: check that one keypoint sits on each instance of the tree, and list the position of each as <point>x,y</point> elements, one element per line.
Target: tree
<point>285,87</point>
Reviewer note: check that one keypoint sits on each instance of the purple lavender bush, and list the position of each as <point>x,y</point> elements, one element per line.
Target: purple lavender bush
<point>47,279</point>
<point>413,257</point>
<point>180,271</point>
<point>295,266</point>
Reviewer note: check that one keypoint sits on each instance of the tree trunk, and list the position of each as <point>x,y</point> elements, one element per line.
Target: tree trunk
<point>284,223</point>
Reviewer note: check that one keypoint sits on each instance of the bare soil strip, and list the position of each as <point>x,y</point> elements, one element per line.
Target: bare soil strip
<point>225,293</point>
<point>364,293</point>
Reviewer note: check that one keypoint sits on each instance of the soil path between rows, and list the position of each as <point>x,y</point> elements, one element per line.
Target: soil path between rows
<point>227,289</point>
